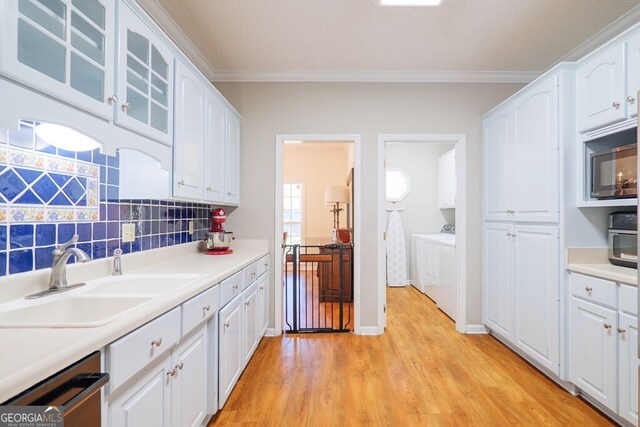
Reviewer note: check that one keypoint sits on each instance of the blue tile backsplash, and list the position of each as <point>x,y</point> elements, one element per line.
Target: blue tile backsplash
<point>47,195</point>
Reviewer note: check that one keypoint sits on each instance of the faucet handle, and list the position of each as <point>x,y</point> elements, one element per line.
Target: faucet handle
<point>64,246</point>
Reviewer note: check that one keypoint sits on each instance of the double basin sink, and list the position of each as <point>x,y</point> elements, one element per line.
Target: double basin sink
<point>97,303</point>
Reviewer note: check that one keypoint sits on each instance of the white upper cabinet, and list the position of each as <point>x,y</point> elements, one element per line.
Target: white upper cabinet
<point>64,48</point>
<point>215,149</point>
<point>188,162</point>
<point>633,74</point>
<point>601,89</point>
<point>497,165</point>
<point>535,178</point>
<point>233,159</point>
<point>145,78</point>
<point>447,180</point>
<point>521,156</point>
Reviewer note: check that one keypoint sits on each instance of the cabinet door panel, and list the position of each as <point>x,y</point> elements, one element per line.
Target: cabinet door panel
<point>188,388</point>
<point>593,351</point>
<point>62,48</point>
<point>430,270</point>
<point>189,136</point>
<point>233,159</point>
<point>215,149</point>
<point>263,303</point>
<point>536,291</point>
<point>633,74</point>
<point>251,336</point>
<point>230,338</point>
<point>497,166</point>
<point>145,78</point>
<point>498,297</point>
<point>628,375</point>
<point>535,154</point>
<point>601,87</point>
<point>147,402</point>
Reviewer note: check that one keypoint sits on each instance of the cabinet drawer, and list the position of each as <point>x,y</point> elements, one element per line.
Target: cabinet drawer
<point>598,291</point>
<point>263,264</point>
<point>230,288</point>
<point>250,274</point>
<point>134,351</point>
<point>200,308</point>
<point>629,299</point>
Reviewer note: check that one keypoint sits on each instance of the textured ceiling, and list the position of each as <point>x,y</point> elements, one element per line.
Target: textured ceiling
<point>358,35</point>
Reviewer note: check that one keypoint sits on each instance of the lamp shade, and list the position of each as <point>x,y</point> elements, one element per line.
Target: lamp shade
<point>336,194</point>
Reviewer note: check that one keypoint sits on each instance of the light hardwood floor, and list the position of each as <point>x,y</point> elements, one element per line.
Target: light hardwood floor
<point>420,372</point>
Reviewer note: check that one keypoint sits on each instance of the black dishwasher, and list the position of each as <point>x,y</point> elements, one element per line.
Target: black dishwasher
<point>75,391</point>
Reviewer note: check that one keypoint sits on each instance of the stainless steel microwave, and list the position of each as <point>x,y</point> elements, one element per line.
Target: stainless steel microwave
<point>614,174</point>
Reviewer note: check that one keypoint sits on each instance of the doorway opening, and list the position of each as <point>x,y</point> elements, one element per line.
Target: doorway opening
<point>422,219</point>
<point>317,227</point>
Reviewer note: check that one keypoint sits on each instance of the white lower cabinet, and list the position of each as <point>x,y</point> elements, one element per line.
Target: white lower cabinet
<point>250,320</point>
<point>171,393</point>
<point>146,402</point>
<point>263,303</point>
<point>188,385</point>
<point>627,361</point>
<point>604,342</point>
<point>230,356</point>
<point>593,351</point>
<point>521,286</point>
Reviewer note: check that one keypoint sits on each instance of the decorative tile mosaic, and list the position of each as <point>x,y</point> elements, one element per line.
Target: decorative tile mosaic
<point>47,195</point>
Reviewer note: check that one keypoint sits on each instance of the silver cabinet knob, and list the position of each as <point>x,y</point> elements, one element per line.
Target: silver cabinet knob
<point>171,373</point>
<point>228,193</point>
<point>209,189</point>
<point>180,365</point>
<point>246,303</point>
<point>206,307</point>
<point>620,330</point>
<point>607,326</point>
<point>514,235</point>
<point>125,106</point>
<point>181,182</point>
<point>266,264</point>
<point>615,104</point>
<point>509,234</point>
<point>261,287</point>
<point>226,325</point>
<point>631,99</point>
<point>157,342</point>
<point>112,99</point>
<point>235,286</point>
<point>588,289</point>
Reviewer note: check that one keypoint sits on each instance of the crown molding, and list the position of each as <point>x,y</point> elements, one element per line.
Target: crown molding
<point>179,38</point>
<point>376,76</point>
<point>607,35</point>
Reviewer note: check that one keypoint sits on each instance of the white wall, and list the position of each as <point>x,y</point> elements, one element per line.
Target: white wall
<point>316,165</point>
<point>420,214</point>
<point>367,109</point>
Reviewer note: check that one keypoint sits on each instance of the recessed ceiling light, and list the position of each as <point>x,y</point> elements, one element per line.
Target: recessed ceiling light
<point>410,2</point>
<point>65,138</point>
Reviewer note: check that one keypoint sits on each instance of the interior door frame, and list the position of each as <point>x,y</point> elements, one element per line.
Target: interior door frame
<point>460,141</point>
<point>357,205</point>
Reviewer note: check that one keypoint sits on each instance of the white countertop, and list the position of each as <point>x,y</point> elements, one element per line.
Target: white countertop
<point>440,238</point>
<point>30,355</point>
<point>595,262</point>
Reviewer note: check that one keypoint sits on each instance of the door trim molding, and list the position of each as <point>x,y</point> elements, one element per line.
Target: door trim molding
<point>460,141</point>
<point>357,234</point>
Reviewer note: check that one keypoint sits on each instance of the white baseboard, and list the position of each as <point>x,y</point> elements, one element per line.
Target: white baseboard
<point>271,332</point>
<point>476,329</point>
<point>368,330</point>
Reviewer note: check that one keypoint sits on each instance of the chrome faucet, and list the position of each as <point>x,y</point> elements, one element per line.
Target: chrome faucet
<point>59,258</point>
<point>117,263</point>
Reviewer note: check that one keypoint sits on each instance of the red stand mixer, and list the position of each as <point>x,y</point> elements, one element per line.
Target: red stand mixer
<point>218,241</point>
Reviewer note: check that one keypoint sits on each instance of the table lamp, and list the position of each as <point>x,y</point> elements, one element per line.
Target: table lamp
<point>334,195</point>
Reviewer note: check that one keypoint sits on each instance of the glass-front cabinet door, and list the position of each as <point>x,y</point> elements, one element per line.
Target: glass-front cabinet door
<point>145,78</point>
<point>63,48</point>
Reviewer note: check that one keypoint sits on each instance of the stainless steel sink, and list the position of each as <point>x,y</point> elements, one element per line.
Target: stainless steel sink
<point>69,312</point>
